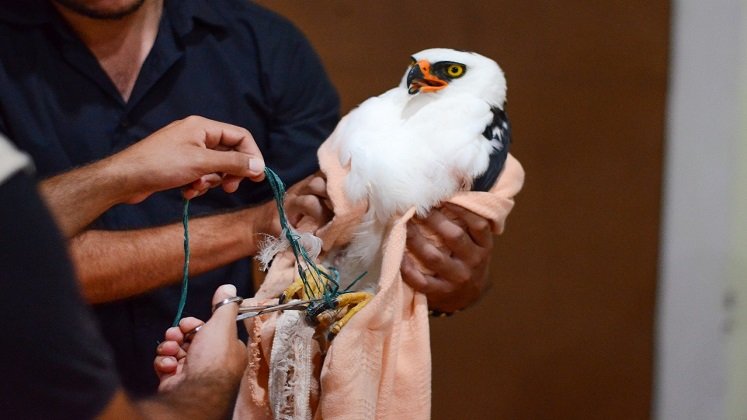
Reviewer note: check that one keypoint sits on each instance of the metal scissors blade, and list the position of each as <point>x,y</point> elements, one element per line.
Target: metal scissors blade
<point>252,311</point>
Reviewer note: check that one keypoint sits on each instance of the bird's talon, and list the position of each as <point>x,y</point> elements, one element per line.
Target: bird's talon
<point>327,317</point>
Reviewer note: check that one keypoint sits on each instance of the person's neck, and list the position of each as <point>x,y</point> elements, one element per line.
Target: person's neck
<point>120,45</point>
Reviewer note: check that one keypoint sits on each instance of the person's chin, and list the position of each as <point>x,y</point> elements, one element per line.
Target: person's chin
<point>102,9</point>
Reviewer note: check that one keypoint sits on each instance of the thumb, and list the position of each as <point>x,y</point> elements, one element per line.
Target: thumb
<point>225,314</point>
<point>236,163</point>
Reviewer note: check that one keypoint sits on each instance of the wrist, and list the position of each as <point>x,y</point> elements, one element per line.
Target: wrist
<point>259,222</point>
<point>121,180</point>
<point>268,221</point>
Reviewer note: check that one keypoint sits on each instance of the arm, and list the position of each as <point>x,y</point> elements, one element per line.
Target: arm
<point>187,152</point>
<point>104,258</point>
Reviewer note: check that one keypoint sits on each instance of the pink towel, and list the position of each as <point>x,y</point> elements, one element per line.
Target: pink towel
<point>379,366</point>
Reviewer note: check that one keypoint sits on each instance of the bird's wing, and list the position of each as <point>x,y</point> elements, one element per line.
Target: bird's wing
<point>498,133</point>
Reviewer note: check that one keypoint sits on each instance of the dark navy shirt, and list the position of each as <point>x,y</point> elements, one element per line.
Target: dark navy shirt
<point>47,372</point>
<point>226,60</point>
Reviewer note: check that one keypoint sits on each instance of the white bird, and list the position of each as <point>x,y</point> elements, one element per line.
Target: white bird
<point>443,129</point>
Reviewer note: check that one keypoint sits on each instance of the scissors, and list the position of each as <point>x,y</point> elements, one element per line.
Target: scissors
<point>252,311</point>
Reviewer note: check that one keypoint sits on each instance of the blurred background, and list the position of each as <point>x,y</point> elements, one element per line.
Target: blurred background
<point>618,284</point>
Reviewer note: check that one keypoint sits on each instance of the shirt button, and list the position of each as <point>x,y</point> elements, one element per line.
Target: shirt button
<point>124,123</point>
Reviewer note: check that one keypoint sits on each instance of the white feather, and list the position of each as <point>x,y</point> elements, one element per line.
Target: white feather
<point>407,151</point>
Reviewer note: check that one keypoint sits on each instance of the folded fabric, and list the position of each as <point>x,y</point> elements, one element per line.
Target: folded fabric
<point>379,366</point>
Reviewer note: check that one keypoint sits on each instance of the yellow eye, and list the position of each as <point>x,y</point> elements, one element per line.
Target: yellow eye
<point>455,70</point>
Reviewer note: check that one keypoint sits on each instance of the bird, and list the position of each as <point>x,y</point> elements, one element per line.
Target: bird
<point>442,129</point>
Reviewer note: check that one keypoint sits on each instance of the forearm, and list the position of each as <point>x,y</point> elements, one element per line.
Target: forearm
<point>97,185</point>
<point>175,156</point>
<point>117,264</point>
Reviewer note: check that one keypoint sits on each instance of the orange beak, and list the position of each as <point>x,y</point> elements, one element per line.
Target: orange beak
<point>420,79</point>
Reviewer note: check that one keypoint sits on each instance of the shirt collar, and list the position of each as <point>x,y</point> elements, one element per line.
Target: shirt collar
<point>185,13</point>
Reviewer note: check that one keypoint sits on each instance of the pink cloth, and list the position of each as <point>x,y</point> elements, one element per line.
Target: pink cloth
<point>379,366</point>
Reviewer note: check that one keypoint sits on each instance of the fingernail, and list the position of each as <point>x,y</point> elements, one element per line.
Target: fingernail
<point>230,289</point>
<point>256,165</point>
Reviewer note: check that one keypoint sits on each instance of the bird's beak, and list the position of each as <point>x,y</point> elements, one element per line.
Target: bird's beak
<point>420,79</point>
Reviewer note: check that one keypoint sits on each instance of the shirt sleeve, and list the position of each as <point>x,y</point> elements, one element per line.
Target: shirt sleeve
<point>305,105</point>
<point>55,362</point>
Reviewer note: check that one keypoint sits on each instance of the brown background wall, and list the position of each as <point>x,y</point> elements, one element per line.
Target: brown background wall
<point>567,330</point>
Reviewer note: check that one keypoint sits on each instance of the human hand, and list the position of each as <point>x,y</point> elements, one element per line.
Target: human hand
<point>307,207</point>
<point>461,269</point>
<point>214,352</point>
<point>194,152</point>
<point>307,204</point>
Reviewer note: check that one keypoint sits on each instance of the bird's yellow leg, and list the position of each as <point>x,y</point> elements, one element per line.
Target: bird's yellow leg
<point>355,301</point>
<point>297,289</point>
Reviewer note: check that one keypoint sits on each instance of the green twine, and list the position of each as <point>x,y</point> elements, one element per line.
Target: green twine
<point>185,269</point>
<point>308,271</point>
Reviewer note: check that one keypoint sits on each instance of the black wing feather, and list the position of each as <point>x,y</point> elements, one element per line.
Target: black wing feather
<point>499,130</point>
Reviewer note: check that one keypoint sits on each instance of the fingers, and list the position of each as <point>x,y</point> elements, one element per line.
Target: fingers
<point>436,259</point>
<point>233,148</point>
<point>173,348</point>
<point>186,325</point>
<point>236,163</point>
<point>220,345</point>
<point>460,264</point>
<point>190,193</point>
<point>478,227</point>
<point>165,365</point>
<point>224,317</point>
<point>168,348</point>
<point>230,184</point>
<point>466,234</point>
<point>220,135</point>
<point>316,185</point>
<point>307,203</point>
<point>202,185</point>
<point>194,148</point>
<point>443,295</point>
<point>168,354</point>
<point>453,236</point>
<point>417,280</point>
<point>308,211</point>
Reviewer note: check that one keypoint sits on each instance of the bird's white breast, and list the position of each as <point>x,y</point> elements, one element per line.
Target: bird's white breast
<point>406,151</point>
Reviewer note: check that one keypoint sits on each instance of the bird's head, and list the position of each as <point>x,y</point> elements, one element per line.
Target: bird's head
<point>445,71</point>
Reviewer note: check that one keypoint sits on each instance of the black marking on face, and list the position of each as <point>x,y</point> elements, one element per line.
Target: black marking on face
<point>445,70</point>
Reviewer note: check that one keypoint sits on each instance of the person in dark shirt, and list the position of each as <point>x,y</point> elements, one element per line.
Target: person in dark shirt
<point>75,89</point>
<point>82,79</point>
<point>55,361</point>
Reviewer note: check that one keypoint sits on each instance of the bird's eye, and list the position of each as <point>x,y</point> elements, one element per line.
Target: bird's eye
<point>455,70</point>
